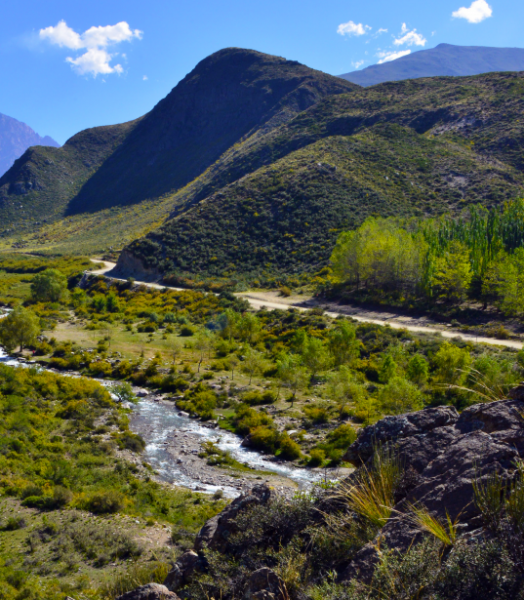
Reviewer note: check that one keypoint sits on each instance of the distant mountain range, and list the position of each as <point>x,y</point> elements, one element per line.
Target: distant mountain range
<point>444,60</point>
<point>253,164</point>
<point>15,138</point>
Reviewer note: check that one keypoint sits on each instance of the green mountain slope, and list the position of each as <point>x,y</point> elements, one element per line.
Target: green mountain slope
<point>415,147</point>
<point>229,95</point>
<point>39,185</point>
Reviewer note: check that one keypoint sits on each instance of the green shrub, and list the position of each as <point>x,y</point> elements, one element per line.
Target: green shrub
<point>105,502</point>
<point>289,449</point>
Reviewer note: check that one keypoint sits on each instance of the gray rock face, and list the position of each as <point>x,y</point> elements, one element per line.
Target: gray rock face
<point>265,584</point>
<point>151,591</point>
<point>216,532</point>
<point>182,571</point>
<point>445,452</point>
<point>398,428</point>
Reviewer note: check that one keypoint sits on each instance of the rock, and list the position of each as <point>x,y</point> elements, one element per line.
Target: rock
<point>141,393</point>
<point>151,591</point>
<point>394,428</point>
<point>443,454</point>
<point>182,571</point>
<point>215,533</point>
<point>265,584</point>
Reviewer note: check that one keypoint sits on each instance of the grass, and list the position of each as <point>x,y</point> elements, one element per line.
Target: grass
<point>371,494</point>
<point>445,532</point>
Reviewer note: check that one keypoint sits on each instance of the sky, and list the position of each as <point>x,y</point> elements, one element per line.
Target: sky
<point>66,66</point>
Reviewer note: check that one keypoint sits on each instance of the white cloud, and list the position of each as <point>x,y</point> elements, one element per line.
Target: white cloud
<point>410,38</point>
<point>476,13</point>
<point>382,30</point>
<point>96,60</point>
<point>357,64</point>
<point>145,78</point>
<point>351,28</point>
<point>389,56</point>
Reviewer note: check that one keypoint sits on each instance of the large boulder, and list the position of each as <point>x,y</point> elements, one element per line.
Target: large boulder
<point>151,591</point>
<point>444,453</point>
<point>265,584</point>
<point>182,570</point>
<point>216,532</point>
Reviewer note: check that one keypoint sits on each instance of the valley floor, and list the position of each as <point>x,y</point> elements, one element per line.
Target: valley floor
<point>272,300</point>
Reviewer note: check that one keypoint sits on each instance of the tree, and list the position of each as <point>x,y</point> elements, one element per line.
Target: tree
<point>78,298</point>
<point>203,345</point>
<point>290,373</point>
<point>508,274</point>
<point>418,369</point>
<point>388,369</point>
<point>123,391</point>
<point>228,322</point>
<point>343,343</point>
<point>49,286</point>
<point>453,274</point>
<point>400,396</point>
<point>253,363</point>
<point>20,328</point>
<point>315,355</point>
<point>452,364</point>
<point>248,328</point>
<point>232,363</point>
<point>176,349</point>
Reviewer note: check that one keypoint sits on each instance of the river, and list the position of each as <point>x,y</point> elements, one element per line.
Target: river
<point>173,442</point>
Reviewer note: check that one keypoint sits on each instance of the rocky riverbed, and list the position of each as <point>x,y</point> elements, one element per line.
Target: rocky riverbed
<point>173,444</point>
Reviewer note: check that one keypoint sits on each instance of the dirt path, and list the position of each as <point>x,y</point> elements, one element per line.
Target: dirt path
<point>304,303</point>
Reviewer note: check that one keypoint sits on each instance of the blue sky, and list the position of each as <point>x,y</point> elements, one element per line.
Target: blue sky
<point>65,66</point>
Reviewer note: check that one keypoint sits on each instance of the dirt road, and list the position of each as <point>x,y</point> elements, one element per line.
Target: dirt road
<point>396,321</point>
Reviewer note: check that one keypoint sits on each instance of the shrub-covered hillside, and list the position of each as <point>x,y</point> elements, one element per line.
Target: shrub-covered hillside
<point>413,147</point>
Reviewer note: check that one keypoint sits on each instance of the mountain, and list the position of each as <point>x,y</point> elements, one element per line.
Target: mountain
<point>275,206</point>
<point>232,96</point>
<point>252,165</point>
<point>15,138</point>
<point>444,60</point>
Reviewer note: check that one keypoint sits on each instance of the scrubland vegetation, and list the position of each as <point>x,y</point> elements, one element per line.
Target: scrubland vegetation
<point>298,385</point>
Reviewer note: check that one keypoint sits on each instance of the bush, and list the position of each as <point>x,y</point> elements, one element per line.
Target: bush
<point>264,438</point>
<point>131,441</point>
<point>100,369</point>
<point>14,523</point>
<point>257,398</point>
<point>289,449</point>
<point>105,503</point>
<point>316,457</point>
<point>187,331</point>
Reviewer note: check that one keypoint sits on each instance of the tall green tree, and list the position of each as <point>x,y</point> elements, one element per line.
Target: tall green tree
<point>399,396</point>
<point>343,343</point>
<point>49,286</point>
<point>20,328</point>
<point>453,273</point>
<point>253,363</point>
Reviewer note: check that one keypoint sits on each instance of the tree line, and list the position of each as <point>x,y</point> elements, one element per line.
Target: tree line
<point>477,255</point>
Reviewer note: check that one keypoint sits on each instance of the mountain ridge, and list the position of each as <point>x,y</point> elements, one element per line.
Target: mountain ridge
<point>15,138</point>
<point>445,60</point>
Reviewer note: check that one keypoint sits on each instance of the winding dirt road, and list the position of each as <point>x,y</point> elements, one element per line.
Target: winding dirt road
<point>259,300</point>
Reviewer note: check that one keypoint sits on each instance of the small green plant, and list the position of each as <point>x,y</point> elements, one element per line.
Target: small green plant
<point>445,532</point>
<point>371,495</point>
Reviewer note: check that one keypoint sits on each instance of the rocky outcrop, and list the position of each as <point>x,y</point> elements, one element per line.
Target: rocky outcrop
<point>216,532</point>
<point>215,535</point>
<point>265,584</point>
<point>129,265</point>
<point>444,453</point>
<point>182,570</point>
<point>151,591</point>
